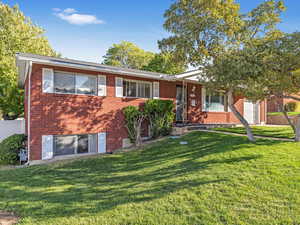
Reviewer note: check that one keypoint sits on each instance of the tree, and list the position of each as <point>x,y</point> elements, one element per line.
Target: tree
<point>18,34</point>
<point>128,55</point>
<point>281,74</point>
<point>165,63</point>
<point>217,37</point>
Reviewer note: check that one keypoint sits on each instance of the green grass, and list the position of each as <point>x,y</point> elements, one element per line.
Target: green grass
<point>215,179</point>
<point>266,131</point>
<point>280,113</point>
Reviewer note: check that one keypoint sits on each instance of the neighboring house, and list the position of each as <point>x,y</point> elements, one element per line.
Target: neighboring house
<point>274,104</point>
<point>75,107</point>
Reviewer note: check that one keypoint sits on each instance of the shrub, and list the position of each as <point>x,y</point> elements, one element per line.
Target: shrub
<point>10,148</point>
<point>134,119</point>
<point>160,115</point>
<point>290,106</point>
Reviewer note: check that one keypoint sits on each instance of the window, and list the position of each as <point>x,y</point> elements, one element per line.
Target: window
<point>86,84</point>
<point>75,144</point>
<point>137,89</point>
<point>64,83</point>
<point>215,102</point>
<point>69,83</point>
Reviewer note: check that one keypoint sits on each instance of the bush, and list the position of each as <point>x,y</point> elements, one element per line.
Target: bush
<point>10,148</point>
<point>160,115</point>
<point>134,118</point>
<point>290,106</point>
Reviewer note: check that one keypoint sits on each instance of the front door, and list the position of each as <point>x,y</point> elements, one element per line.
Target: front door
<point>180,99</point>
<point>251,112</point>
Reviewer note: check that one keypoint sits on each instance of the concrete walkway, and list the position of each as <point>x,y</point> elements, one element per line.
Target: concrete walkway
<point>244,135</point>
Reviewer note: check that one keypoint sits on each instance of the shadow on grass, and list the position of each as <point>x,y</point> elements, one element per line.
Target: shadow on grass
<point>277,132</point>
<point>99,184</point>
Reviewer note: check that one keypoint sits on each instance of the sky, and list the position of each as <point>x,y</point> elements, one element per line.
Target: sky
<point>85,29</point>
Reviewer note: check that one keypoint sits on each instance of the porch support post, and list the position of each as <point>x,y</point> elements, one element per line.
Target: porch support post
<point>184,100</point>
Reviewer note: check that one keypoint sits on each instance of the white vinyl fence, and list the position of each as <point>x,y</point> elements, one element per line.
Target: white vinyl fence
<point>10,127</point>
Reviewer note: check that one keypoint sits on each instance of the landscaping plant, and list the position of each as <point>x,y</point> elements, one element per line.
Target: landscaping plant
<point>133,122</point>
<point>10,149</point>
<point>160,115</point>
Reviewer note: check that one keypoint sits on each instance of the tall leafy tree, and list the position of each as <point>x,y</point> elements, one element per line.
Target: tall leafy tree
<point>281,73</point>
<point>17,34</point>
<point>165,63</point>
<point>217,37</point>
<point>128,55</point>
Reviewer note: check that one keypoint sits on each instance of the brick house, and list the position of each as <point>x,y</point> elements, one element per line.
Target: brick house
<point>75,107</point>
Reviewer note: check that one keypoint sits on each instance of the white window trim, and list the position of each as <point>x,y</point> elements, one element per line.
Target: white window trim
<point>139,81</point>
<point>75,74</point>
<point>76,145</point>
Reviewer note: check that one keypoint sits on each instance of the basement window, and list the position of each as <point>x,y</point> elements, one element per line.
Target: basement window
<point>74,144</point>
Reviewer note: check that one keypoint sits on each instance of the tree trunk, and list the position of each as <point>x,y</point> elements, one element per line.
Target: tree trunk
<point>240,117</point>
<point>138,127</point>
<point>297,129</point>
<point>282,109</point>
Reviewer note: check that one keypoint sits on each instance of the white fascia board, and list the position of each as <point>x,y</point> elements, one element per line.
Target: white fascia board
<point>69,64</point>
<point>188,74</point>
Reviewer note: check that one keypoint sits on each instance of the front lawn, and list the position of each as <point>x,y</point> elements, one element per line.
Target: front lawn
<point>266,131</point>
<point>215,179</point>
<point>281,114</point>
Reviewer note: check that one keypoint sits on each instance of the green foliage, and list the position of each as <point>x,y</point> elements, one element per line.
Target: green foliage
<point>11,102</point>
<point>290,106</point>
<point>216,36</point>
<point>160,115</point>
<point>127,54</point>
<point>10,148</point>
<point>165,63</point>
<point>221,40</point>
<point>18,34</point>
<point>132,116</point>
<point>282,64</point>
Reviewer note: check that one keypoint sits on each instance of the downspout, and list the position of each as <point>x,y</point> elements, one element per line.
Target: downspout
<point>183,103</point>
<point>28,109</point>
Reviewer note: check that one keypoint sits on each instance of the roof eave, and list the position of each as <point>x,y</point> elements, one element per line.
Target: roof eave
<point>21,62</point>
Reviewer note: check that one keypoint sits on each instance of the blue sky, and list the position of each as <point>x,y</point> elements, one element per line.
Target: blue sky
<point>85,29</point>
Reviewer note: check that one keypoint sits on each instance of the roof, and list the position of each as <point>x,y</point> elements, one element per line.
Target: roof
<point>23,61</point>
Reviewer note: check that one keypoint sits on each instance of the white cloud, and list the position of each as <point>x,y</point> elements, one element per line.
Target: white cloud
<point>69,11</point>
<point>72,17</point>
<point>56,9</point>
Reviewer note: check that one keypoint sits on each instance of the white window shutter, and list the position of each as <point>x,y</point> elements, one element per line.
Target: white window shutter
<point>155,89</point>
<point>101,142</point>
<point>47,147</point>
<point>48,80</point>
<point>203,97</point>
<point>101,85</point>
<point>119,86</point>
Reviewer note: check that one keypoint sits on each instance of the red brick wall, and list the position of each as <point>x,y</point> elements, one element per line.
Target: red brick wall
<point>56,114</point>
